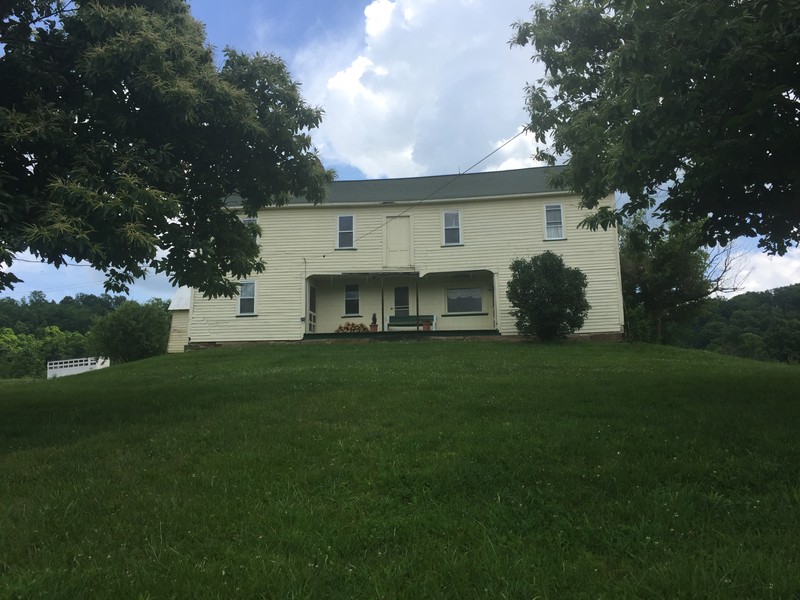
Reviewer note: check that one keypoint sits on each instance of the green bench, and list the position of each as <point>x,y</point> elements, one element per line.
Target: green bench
<point>411,321</point>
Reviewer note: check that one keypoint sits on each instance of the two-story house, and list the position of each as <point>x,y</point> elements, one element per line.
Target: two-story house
<point>435,247</point>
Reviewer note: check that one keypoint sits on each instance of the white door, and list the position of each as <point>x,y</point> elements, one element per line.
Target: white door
<point>398,242</point>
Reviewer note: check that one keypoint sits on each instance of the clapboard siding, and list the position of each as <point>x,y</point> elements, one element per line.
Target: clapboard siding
<point>299,241</point>
<point>178,331</point>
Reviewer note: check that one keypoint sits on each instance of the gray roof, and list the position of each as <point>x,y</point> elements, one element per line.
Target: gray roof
<point>437,187</point>
<point>443,187</point>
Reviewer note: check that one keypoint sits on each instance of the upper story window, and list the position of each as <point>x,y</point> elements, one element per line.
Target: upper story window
<point>451,223</point>
<point>554,222</point>
<point>345,232</point>
<point>251,221</point>
<point>247,298</point>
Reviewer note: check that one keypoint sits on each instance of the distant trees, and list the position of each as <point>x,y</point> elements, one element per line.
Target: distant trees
<point>73,313</point>
<point>26,354</point>
<point>760,325</point>
<point>549,298</point>
<point>35,330</point>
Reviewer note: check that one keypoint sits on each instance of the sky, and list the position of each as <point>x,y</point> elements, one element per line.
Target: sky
<point>409,88</point>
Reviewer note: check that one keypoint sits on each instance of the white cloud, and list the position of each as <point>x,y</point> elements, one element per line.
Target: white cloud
<point>379,17</point>
<point>768,272</point>
<point>427,88</point>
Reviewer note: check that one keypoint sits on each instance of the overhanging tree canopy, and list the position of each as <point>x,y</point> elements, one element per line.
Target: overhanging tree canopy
<point>701,96</point>
<point>119,137</point>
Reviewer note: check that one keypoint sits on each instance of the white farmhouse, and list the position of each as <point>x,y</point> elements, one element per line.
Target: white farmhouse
<point>409,251</point>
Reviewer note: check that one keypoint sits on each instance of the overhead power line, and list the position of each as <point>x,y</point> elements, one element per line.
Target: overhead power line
<point>436,191</point>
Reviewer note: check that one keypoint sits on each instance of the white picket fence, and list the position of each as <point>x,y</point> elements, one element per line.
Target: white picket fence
<point>62,368</point>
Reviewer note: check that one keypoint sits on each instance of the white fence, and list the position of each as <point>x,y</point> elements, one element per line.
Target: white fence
<point>62,368</point>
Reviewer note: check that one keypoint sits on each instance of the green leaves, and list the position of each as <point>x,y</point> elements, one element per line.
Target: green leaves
<point>549,298</point>
<point>699,94</point>
<point>119,137</point>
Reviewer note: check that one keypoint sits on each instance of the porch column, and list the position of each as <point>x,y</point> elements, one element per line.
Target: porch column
<point>417,301</point>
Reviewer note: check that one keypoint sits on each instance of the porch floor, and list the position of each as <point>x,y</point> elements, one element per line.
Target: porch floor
<point>401,335</point>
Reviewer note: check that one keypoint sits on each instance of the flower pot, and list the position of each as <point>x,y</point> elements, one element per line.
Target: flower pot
<point>426,326</point>
<point>373,327</point>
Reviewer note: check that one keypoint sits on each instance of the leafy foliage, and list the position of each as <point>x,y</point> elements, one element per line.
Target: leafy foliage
<point>25,354</point>
<point>666,278</point>
<point>72,313</point>
<point>132,332</point>
<point>35,330</point>
<point>701,96</point>
<point>549,298</point>
<point>120,141</point>
<point>760,325</point>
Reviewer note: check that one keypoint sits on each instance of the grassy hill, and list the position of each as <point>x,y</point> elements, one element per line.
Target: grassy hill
<point>405,470</point>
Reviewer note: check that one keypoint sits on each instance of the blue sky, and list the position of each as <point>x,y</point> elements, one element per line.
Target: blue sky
<point>409,87</point>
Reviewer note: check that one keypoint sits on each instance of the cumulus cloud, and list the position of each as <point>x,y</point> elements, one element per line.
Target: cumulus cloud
<point>768,272</point>
<point>379,17</point>
<point>425,88</point>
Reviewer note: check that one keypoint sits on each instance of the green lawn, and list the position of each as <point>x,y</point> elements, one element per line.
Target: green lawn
<point>405,470</point>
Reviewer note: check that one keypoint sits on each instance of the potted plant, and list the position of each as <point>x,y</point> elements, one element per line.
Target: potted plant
<point>373,327</point>
<point>426,326</point>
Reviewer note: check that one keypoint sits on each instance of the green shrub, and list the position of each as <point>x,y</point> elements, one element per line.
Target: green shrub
<point>549,298</point>
<point>132,332</point>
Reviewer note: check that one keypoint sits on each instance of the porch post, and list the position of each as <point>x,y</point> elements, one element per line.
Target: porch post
<point>417,291</point>
<point>383,306</point>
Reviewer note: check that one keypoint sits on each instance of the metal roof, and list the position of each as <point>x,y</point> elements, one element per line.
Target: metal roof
<point>442,187</point>
<point>491,184</point>
<point>182,300</point>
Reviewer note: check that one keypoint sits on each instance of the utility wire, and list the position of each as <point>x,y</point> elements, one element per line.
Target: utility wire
<point>42,262</point>
<point>437,190</point>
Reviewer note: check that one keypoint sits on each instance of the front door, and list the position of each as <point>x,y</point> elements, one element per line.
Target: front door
<point>401,304</point>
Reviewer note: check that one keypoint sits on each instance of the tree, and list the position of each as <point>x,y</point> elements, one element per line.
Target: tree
<point>20,355</point>
<point>702,96</point>
<point>132,332</point>
<point>120,142</point>
<point>549,298</point>
<point>666,278</point>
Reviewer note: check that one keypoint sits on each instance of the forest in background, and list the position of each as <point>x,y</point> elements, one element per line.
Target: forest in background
<point>35,330</point>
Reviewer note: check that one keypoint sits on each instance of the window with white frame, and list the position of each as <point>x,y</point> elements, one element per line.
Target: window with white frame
<point>351,300</point>
<point>247,298</point>
<point>251,221</point>
<point>451,224</point>
<point>554,222</point>
<point>464,300</point>
<point>345,232</point>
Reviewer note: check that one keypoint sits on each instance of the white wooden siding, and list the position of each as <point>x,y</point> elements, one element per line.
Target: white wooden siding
<point>178,330</point>
<point>300,241</point>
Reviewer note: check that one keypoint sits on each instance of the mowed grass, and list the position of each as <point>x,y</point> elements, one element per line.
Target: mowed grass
<point>405,470</point>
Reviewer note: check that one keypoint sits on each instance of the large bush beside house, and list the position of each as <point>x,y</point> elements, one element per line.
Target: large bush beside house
<point>132,332</point>
<point>549,298</point>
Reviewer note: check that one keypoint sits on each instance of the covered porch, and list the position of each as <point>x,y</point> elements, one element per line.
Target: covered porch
<point>401,302</point>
